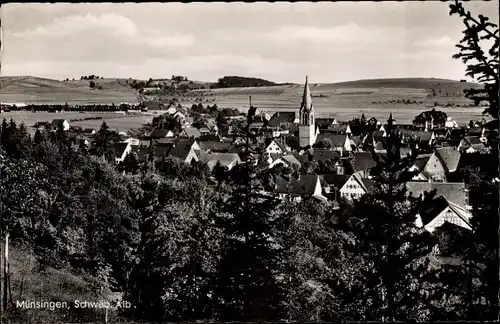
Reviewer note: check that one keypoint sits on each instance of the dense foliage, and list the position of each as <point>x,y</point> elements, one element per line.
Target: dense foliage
<point>241,82</point>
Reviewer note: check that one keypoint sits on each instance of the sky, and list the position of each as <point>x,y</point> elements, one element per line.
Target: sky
<point>281,42</point>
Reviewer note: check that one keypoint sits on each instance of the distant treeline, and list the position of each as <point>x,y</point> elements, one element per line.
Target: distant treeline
<point>241,82</point>
<point>66,107</point>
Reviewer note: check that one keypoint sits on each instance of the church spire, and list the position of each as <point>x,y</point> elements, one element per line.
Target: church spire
<point>306,98</point>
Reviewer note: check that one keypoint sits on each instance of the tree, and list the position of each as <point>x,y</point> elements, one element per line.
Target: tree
<point>481,58</point>
<point>102,143</point>
<point>250,258</point>
<point>394,250</point>
<point>437,117</point>
<point>92,84</point>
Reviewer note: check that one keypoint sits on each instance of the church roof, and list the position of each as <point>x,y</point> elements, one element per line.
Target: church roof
<point>306,98</point>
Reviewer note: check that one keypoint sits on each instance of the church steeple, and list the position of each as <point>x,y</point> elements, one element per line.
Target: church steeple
<point>307,127</point>
<point>306,108</point>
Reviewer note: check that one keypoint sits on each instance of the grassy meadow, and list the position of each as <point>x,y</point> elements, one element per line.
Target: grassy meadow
<point>34,90</point>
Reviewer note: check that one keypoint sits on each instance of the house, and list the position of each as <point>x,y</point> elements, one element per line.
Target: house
<point>121,151</point>
<point>443,161</point>
<point>340,143</point>
<point>454,192</point>
<point>440,211</point>
<point>160,133</point>
<point>205,131</point>
<point>450,123</point>
<point>298,188</point>
<point>190,132</point>
<point>337,128</point>
<point>214,146</point>
<point>60,124</point>
<point>332,183</point>
<point>288,161</point>
<point>471,144</point>
<point>228,160</point>
<point>132,141</point>
<point>324,155</point>
<point>276,147</point>
<point>419,166</point>
<point>282,119</point>
<point>43,125</point>
<point>355,187</point>
<point>89,131</point>
<point>363,162</point>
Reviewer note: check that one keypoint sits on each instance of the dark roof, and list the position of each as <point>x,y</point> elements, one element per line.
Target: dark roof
<point>421,162</point>
<point>191,132</point>
<point>369,184</point>
<point>363,161</point>
<point>159,133</point>
<point>162,151</point>
<point>337,128</point>
<point>450,157</point>
<point>39,124</point>
<point>335,180</point>
<point>305,185</point>
<point>324,155</point>
<point>472,140</point>
<point>281,117</point>
<point>88,130</point>
<point>451,191</point>
<point>336,139</point>
<point>224,159</point>
<point>119,148</point>
<point>214,146</point>
<point>208,138</point>
<point>432,209</point>
<point>164,141</point>
<point>291,159</point>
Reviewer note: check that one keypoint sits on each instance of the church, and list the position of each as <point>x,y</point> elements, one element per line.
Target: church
<point>307,127</point>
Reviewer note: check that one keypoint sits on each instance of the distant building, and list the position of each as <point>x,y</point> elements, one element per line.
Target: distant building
<point>307,128</point>
<point>60,124</point>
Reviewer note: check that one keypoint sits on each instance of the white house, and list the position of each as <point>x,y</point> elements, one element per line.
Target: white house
<point>450,123</point>
<point>132,141</point>
<point>440,211</point>
<point>56,123</point>
<point>355,187</point>
<point>276,147</point>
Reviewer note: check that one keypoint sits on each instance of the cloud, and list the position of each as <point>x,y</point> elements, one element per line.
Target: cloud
<point>442,42</point>
<point>69,25</point>
<point>103,26</point>
<point>345,34</point>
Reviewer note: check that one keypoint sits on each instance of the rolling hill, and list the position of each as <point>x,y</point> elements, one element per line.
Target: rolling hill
<point>35,90</point>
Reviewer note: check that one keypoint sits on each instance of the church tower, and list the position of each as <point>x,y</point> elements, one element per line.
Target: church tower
<point>307,126</point>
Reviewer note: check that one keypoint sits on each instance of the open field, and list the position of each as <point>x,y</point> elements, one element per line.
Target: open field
<point>346,100</point>
<point>115,121</point>
<point>34,90</point>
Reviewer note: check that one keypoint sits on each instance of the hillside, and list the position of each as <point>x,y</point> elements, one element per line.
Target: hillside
<point>33,90</point>
<point>28,282</point>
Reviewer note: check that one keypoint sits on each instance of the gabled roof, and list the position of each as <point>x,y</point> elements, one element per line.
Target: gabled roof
<point>337,128</point>
<point>215,146</point>
<point>472,140</point>
<point>335,180</point>
<point>363,161</point>
<point>281,117</point>
<point>305,185</point>
<point>450,157</point>
<point>88,130</point>
<point>224,159</point>
<point>324,155</point>
<point>208,138</point>
<point>191,132</point>
<point>159,133</point>
<point>421,162</point>
<point>451,191</point>
<point>429,211</point>
<point>336,139</point>
<point>292,160</point>
<point>119,149</point>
